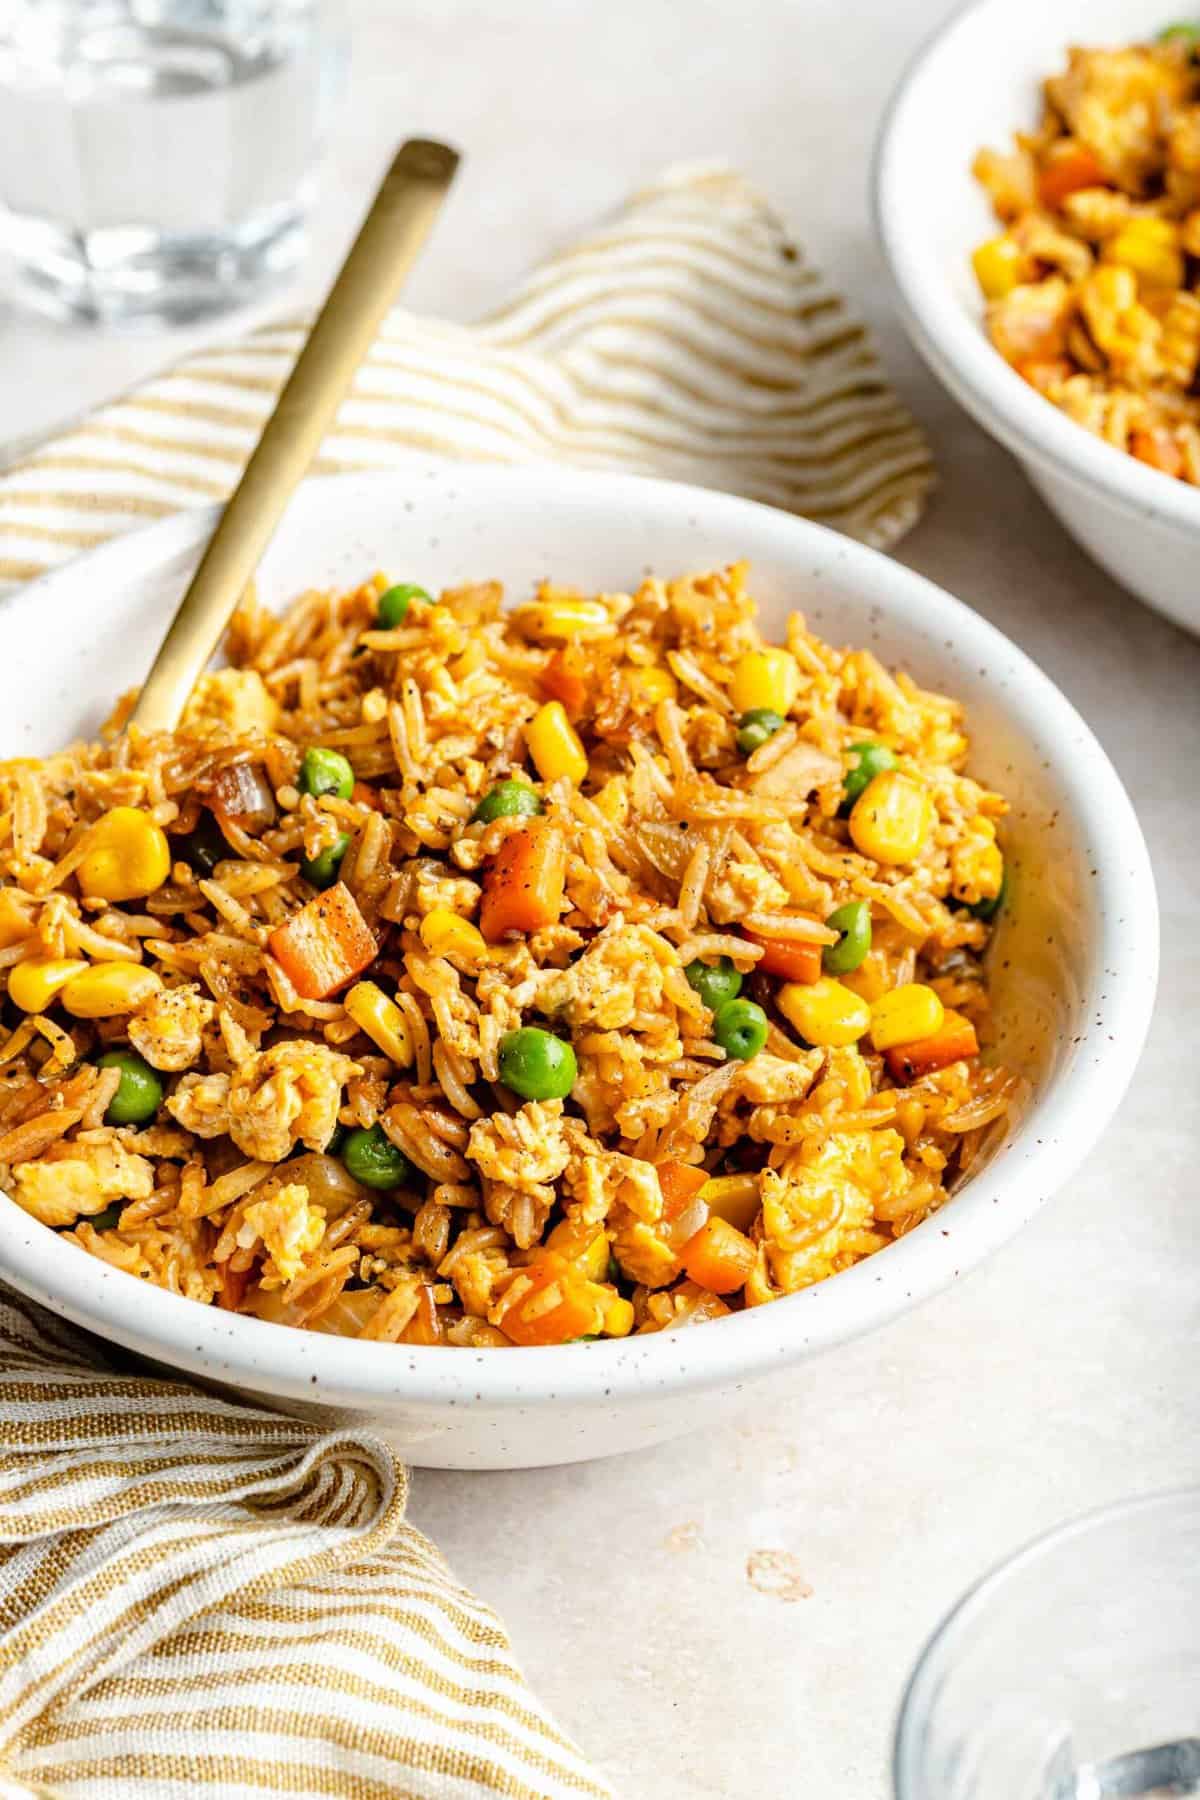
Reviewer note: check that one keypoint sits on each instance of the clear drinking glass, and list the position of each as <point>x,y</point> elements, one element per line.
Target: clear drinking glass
<point>1071,1673</point>
<point>156,156</point>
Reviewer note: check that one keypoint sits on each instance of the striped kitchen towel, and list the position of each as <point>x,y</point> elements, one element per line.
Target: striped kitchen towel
<point>687,338</point>
<point>198,1597</point>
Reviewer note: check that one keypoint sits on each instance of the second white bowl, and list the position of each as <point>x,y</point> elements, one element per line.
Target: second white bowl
<point>974,84</point>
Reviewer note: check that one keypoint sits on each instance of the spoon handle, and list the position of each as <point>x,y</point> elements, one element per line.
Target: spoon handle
<point>391,237</point>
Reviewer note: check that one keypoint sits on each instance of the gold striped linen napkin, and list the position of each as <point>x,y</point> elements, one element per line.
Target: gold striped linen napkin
<point>195,1594</point>
<point>688,338</point>
<point>199,1596</point>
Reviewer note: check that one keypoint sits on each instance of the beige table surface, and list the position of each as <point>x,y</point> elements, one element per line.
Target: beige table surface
<point>1061,1375</point>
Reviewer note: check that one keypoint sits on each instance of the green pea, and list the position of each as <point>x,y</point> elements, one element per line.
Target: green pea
<point>204,846</point>
<point>987,909</point>
<point>371,1157</point>
<point>1187,32</point>
<point>109,1218</point>
<point>337,1141</point>
<point>873,759</point>
<point>507,800</point>
<point>853,921</point>
<point>536,1064</point>
<point>139,1091</point>
<point>326,772</point>
<point>740,1028</point>
<point>714,982</point>
<point>321,871</point>
<point>393,606</point>
<point>756,728</point>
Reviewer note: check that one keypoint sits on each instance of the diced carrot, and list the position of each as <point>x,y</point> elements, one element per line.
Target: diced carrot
<point>324,945</point>
<point>564,679</point>
<point>954,1040</point>
<point>680,1183</point>
<point>234,1283</point>
<point>718,1257</point>
<point>1067,168</point>
<point>1158,448</point>
<point>523,887</point>
<point>553,1303</point>
<point>364,795</point>
<point>789,958</point>
<point>424,1327</point>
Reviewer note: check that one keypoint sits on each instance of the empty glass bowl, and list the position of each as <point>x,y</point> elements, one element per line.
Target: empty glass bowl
<point>1071,1673</point>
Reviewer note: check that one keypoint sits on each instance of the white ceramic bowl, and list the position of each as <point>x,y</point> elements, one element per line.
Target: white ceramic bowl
<point>1074,973</point>
<point>973,84</point>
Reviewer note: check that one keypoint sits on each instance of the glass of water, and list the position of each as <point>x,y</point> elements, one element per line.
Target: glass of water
<point>1072,1673</point>
<point>156,156</point>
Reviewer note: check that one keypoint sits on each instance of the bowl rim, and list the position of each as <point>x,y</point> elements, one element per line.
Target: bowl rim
<point>1048,1144</point>
<point>954,344</point>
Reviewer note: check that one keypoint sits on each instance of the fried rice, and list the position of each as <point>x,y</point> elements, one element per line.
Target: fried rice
<point>487,977</point>
<point>1091,285</point>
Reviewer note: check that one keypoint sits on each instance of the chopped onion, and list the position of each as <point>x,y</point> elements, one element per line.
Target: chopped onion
<point>242,792</point>
<point>328,1182</point>
<point>689,1221</point>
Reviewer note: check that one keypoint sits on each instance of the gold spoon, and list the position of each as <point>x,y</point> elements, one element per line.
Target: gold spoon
<point>392,234</point>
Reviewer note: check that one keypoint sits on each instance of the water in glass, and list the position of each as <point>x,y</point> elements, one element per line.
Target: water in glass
<point>156,155</point>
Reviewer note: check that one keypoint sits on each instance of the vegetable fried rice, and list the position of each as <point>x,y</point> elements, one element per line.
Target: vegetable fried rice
<point>482,977</point>
<point>1092,284</point>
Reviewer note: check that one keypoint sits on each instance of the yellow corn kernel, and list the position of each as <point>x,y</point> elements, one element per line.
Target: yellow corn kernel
<point>892,817</point>
<point>734,1198</point>
<point>109,990</point>
<point>997,266</point>
<point>649,686</point>
<point>905,1016</point>
<point>1151,248</point>
<point>554,744</point>
<point>584,1245</point>
<point>565,619</point>
<point>765,678</point>
<point>824,1012</point>
<point>444,933</point>
<point>33,984</point>
<point>382,1021</point>
<point>127,856</point>
<point>618,1317</point>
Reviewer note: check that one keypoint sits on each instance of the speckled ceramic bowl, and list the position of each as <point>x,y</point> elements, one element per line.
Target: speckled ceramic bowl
<point>1074,965</point>
<point>975,83</point>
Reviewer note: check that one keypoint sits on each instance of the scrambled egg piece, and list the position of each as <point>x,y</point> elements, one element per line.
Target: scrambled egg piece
<point>236,698</point>
<point>80,1178</point>
<point>519,1157</point>
<point>168,1028</point>
<point>814,1209</point>
<point>599,1179</point>
<point>643,1255</point>
<point>620,974</point>
<point>290,1230</point>
<point>277,1098</point>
